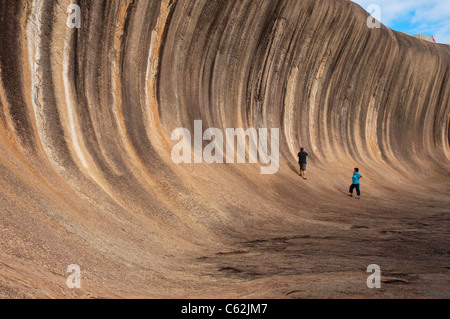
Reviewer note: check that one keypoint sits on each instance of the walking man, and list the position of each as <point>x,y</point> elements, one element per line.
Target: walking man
<point>302,162</point>
<point>355,183</point>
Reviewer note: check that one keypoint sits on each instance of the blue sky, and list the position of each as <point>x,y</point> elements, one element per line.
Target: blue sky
<point>429,17</point>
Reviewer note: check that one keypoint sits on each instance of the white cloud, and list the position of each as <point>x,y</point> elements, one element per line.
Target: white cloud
<point>424,16</point>
<point>391,9</point>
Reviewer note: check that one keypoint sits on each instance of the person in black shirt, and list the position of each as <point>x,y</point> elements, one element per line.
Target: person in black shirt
<point>302,162</point>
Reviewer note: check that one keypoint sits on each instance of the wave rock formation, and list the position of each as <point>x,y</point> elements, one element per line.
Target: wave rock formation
<point>86,175</point>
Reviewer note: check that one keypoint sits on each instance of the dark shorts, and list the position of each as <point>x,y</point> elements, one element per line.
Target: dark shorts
<point>302,166</point>
<point>353,186</point>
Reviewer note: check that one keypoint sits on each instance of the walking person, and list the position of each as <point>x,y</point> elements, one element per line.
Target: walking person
<point>355,183</point>
<point>302,155</point>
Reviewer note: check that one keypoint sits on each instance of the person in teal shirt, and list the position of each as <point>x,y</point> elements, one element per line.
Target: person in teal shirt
<point>355,183</point>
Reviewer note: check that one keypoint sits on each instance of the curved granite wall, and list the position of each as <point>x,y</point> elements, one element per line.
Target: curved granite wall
<point>85,135</point>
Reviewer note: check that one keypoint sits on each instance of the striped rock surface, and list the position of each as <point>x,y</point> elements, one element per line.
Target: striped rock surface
<point>87,178</point>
